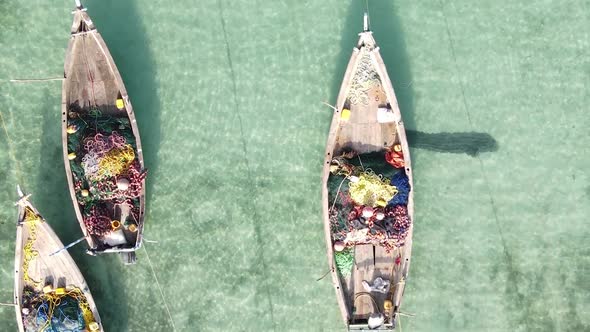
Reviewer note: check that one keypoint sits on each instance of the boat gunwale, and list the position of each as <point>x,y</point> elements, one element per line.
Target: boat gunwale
<point>79,15</point>
<point>18,258</point>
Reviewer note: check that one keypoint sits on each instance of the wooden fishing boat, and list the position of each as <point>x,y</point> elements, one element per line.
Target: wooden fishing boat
<point>366,194</point>
<point>49,290</point>
<point>101,145</point>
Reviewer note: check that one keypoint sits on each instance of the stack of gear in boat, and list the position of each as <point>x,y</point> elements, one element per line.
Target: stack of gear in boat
<point>368,197</point>
<point>106,173</point>
<point>47,309</point>
<point>56,310</point>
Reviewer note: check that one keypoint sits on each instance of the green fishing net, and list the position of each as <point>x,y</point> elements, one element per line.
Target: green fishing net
<point>344,261</point>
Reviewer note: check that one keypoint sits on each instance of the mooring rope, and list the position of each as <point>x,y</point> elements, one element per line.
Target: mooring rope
<point>160,288</point>
<point>368,15</point>
<point>11,152</point>
<point>31,80</point>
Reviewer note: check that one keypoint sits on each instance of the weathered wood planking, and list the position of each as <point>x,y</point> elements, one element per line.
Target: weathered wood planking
<point>363,133</point>
<point>363,269</point>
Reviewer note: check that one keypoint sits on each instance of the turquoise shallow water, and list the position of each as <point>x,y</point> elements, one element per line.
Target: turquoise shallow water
<point>228,98</point>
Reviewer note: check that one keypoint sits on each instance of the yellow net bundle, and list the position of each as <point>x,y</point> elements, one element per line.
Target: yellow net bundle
<point>371,190</point>
<point>31,219</point>
<point>115,162</point>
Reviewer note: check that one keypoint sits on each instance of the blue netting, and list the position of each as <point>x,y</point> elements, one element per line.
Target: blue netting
<point>66,317</point>
<point>401,182</point>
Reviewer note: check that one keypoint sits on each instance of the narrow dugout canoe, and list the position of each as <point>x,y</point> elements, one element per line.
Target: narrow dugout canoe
<point>49,290</point>
<point>366,194</point>
<point>101,145</point>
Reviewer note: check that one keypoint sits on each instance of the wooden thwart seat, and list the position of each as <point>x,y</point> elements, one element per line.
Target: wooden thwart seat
<point>370,262</point>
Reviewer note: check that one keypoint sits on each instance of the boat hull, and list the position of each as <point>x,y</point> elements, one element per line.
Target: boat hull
<point>39,268</point>
<point>92,80</point>
<point>364,134</point>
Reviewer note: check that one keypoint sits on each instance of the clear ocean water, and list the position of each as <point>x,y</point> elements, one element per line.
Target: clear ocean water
<point>228,96</point>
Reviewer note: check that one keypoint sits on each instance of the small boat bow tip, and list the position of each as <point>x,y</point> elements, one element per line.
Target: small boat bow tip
<point>22,198</point>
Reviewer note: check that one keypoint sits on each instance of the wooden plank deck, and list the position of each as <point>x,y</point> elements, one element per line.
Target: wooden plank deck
<point>91,82</point>
<point>363,270</point>
<point>370,262</point>
<point>362,132</point>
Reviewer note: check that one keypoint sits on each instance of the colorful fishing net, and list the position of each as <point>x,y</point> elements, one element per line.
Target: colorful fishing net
<point>389,232</point>
<point>107,189</point>
<point>401,221</point>
<point>101,144</point>
<point>106,156</point>
<point>97,220</point>
<point>90,163</point>
<point>371,189</point>
<point>52,312</point>
<point>364,207</point>
<point>115,161</point>
<point>107,174</point>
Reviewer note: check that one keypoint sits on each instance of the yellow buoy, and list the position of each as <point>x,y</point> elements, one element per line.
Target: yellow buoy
<point>120,104</point>
<point>132,228</point>
<point>345,115</point>
<point>72,129</point>
<point>397,147</point>
<point>60,291</point>
<point>94,326</point>
<point>115,225</point>
<point>387,305</point>
<point>72,156</point>
<point>334,169</point>
<point>84,193</point>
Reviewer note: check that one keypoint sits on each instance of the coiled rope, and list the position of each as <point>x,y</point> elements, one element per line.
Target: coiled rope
<point>371,189</point>
<point>31,219</point>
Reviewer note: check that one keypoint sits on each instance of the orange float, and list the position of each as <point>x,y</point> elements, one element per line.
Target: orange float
<point>395,156</point>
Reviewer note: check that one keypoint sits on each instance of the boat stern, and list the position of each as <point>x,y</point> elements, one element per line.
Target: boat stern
<point>365,327</point>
